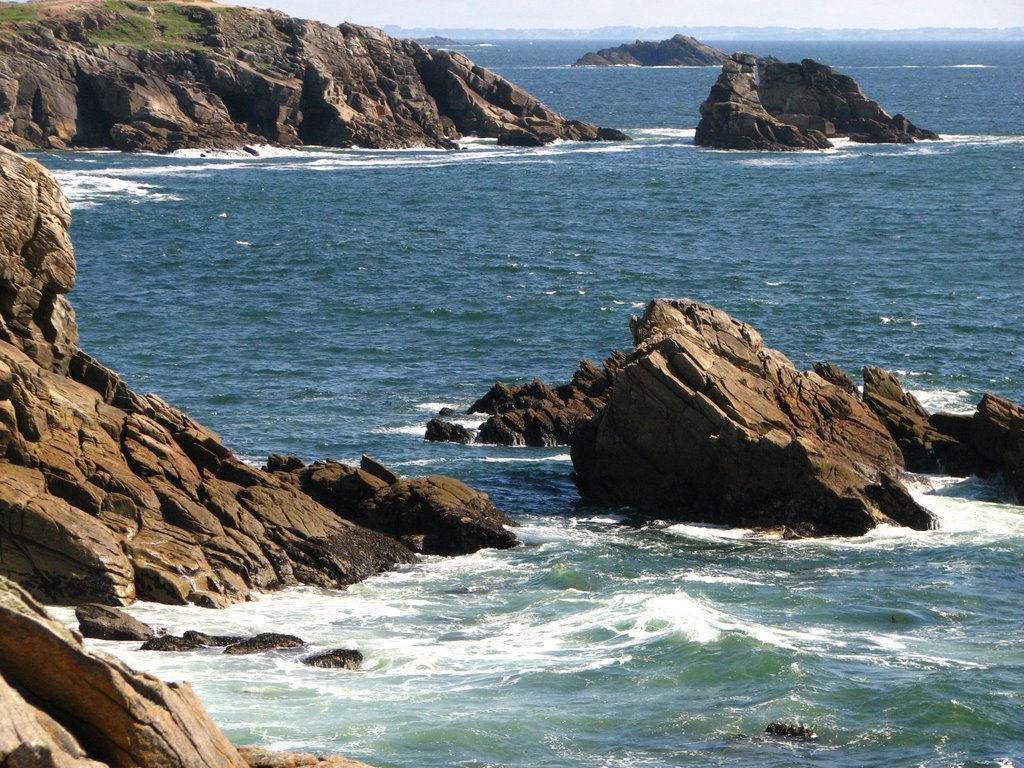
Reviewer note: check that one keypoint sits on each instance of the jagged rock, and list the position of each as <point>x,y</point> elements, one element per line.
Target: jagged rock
<point>263,758</point>
<point>278,463</point>
<point>833,374</point>
<point>189,76</point>
<point>105,623</point>
<point>538,415</point>
<point>810,95</point>
<point>733,117</point>
<point>106,712</point>
<point>171,644</point>
<point>999,439</point>
<point>677,51</point>
<point>441,431</point>
<point>340,658</point>
<point>210,641</point>
<point>265,641</point>
<point>794,106</point>
<point>437,516</point>
<point>705,424</point>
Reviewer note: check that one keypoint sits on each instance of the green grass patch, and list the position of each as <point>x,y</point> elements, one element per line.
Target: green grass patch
<point>153,25</point>
<point>18,13</point>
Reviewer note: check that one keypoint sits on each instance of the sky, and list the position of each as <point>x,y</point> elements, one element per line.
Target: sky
<point>588,14</point>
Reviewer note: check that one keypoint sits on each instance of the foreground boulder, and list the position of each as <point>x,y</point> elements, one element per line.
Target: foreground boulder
<point>704,423</point>
<point>140,77</point>
<point>102,622</point>
<point>677,51</point>
<point>106,495</point>
<point>733,117</point>
<point>794,106</point>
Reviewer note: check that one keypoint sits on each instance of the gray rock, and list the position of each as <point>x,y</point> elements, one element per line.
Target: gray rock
<point>266,641</point>
<point>340,658</point>
<point>105,623</point>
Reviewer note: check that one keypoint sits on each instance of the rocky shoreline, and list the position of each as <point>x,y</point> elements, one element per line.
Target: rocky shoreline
<point>171,76</point>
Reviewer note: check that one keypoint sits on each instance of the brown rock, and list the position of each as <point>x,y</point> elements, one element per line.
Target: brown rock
<point>171,644</point>
<point>441,431</point>
<point>704,423</point>
<point>265,641</point>
<point>999,439</point>
<point>263,758</point>
<point>341,658</point>
<point>105,623</point>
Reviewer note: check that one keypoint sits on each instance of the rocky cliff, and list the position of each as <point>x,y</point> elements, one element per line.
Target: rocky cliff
<point>160,76</point>
<point>107,495</point>
<point>794,106</point>
<point>677,51</point>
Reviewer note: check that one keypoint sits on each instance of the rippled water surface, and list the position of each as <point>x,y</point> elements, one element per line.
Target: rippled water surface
<point>327,303</point>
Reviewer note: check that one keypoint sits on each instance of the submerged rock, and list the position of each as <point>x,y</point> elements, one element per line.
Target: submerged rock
<point>677,51</point>
<point>211,641</point>
<point>794,106</point>
<point>102,622</point>
<point>340,658</point>
<point>171,644</point>
<point>265,641</point>
<point>161,78</point>
<point>792,731</point>
<point>704,423</point>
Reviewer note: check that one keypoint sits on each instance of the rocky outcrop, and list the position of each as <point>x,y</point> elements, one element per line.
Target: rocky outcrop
<point>433,515</point>
<point>105,623</point>
<point>108,496</point>
<point>997,436</point>
<point>66,706</point>
<point>704,423</point>
<point>794,106</point>
<point>733,117</point>
<point>677,51</point>
<point>340,658</point>
<point>263,758</point>
<point>138,78</point>
<point>810,95</point>
<point>263,642</point>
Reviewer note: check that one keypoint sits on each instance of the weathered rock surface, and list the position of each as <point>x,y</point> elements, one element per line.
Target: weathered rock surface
<point>794,106</point>
<point>171,644</point>
<point>210,641</point>
<point>733,117</point>
<point>106,495</point>
<point>167,76</point>
<point>91,707</point>
<point>263,758</point>
<point>704,423</point>
<point>998,439</point>
<point>340,658</point>
<point>441,431</point>
<point>538,415</point>
<point>105,623</point>
<point>677,51</point>
<point>265,641</point>
<point>810,95</point>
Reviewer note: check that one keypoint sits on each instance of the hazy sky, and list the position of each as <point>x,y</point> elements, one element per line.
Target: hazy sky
<point>586,14</point>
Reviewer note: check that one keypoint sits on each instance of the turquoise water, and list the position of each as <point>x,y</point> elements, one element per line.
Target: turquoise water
<point>327,303</point>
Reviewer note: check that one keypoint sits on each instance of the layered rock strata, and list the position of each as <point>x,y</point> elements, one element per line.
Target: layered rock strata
<point>794,106</point>
<point>165,76</point>
<point>704,423</point>
<point>108,496</point>
<point>733,117</point>
<point>677,51</point>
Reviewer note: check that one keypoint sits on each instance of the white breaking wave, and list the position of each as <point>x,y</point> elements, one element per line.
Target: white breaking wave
<point>84,189</point>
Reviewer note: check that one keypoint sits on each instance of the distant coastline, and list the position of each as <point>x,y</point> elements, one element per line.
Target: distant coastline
<point>629,34</point>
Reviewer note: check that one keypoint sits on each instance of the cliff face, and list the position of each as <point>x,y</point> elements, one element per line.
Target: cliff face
<point>163,76</point>
<point>107,495</point>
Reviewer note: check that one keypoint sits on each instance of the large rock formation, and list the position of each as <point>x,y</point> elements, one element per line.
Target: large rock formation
<point>677,51</point>
<point>794,106</point>
<point>733,117</point>
<point>164,76</point>
<point>107,495</point>
<point>704,423</point>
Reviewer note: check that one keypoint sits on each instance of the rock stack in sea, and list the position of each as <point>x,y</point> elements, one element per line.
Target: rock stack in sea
<point>108,496</point>
<point>794,106</point>
<point>160,77</point>
<point>677,51</point>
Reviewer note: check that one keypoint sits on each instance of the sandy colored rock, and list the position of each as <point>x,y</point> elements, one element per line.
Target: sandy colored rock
<point>705,423</point>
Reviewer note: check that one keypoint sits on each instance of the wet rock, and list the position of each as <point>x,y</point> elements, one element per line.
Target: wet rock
<point>264,758</point>
<point>102,622</point>
<point>265,641</point>
<point>171,643</point>
<point>999,439</point>
<point>441,431</point>
<point>303,83</point>
<point>733,117</point>
<point>792,731</point>
<point>212,641</point>
<point>447,412</point>
<point>341,658</point>
<point>677,51</point>
<point>438,515</point>
<point>706,424</point>
<point>539,415</point>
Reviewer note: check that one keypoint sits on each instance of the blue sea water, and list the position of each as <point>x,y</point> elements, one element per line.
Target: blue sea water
<point>327,303</point>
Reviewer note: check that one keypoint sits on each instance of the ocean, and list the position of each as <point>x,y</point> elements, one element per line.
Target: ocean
<point>326,303</point>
